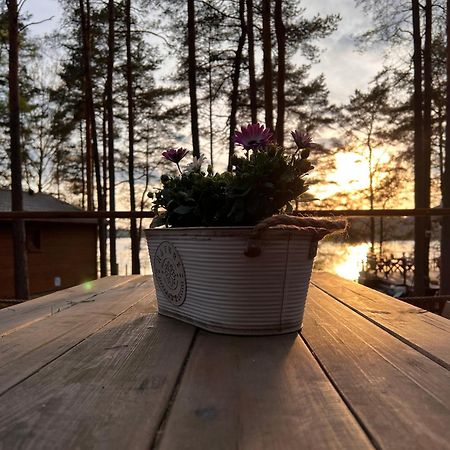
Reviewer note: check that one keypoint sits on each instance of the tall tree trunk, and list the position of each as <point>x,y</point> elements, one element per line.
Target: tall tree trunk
<point>193,78</point>
<point>235,81</point>
<point>18,226</point>
<point>41,160</point>
<point>105,179</point>
<point>58,172</point>
<point>110,118</point>
<point>251,63</point>
<point>86,26</point>
<point>371,199</point>
<point>445,232</point>
<point>267,63</point>
<point>104,152</point>
<point>381,236</point>
<point>280,32</point>
<point>371,178</point>
<point>441,143</point>
<point>83,170</point>
<point>88,140</point>
<point>427,131</point>
<point>210,104</point>
<point>146,175</point>
<point>420,249</point>
<point>96,154</point>
<point>135,265</point>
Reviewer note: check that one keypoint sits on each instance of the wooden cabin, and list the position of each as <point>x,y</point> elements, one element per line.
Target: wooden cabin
<point>61,252</point>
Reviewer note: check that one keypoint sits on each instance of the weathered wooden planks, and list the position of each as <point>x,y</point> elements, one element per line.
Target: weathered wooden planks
<point>25,313</point>
<point>401,396</point>
<point>109,373</point>
<point>109,392</point>
<point>28,348</point>
<point>427,332</point>
<point>257,393</point>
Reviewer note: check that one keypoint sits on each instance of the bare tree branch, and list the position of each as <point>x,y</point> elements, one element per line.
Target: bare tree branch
<point>35,23</point>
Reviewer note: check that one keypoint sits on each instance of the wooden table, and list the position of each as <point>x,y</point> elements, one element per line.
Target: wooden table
<point>95,367</point>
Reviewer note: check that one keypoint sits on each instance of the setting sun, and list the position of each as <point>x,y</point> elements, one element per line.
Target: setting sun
<point>351,172</point>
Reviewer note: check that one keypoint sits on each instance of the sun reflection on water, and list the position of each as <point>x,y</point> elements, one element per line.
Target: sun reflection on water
<point>344,260</point>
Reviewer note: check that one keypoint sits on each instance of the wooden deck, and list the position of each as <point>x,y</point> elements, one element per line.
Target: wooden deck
<point>95,367</point>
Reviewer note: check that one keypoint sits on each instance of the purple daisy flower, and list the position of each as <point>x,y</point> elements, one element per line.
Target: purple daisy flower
<point>303,140</point>
<point>253,136</point>
<point>174,155</point>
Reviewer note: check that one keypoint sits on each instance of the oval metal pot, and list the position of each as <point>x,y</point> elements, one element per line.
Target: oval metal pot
<point>203,277</point>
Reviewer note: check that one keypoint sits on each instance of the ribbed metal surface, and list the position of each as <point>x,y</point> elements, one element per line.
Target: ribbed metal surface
<point>229,292</point>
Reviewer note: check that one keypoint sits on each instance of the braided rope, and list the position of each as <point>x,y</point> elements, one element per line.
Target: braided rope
<point>301,223</point>
<point>317,227</point>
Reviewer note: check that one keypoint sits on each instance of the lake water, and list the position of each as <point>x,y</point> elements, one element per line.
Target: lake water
<point>342,258</point>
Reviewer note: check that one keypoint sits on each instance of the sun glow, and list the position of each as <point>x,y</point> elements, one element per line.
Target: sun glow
<point>350,267</point>
<point>351,172</point>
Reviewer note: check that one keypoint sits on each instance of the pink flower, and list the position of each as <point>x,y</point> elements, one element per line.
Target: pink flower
<point>303,140</point>
<point>175,155</point>
<point>253,137</point>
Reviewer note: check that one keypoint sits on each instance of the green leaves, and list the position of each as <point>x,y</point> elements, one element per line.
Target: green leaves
<point>264,184</point>
<point>183,209</point>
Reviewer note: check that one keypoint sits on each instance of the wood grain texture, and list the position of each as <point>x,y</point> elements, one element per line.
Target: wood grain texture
<point>427,332</point>
<point>28,349</point>
<point>109,392</point>
<point>26,313</point>
<point>401,396</point>
<point>257,393</point>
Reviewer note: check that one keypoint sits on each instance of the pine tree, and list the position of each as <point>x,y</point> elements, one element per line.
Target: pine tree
<point>110,133</point>
<point>367,117</point>
<point>235,80</point>
<point>18,226</point>
<point>445,231</point>
<point>390,26</point>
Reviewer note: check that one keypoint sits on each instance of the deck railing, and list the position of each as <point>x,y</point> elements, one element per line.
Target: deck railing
<point>418,212</point>
<point>431,303</point>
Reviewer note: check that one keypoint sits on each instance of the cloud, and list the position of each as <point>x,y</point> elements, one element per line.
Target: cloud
<point>344,66</point>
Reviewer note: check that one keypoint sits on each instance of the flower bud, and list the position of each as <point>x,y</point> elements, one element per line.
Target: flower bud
<point>305,153</point>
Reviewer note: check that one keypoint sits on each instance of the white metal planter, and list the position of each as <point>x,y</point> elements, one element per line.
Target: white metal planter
<point>203,277</point>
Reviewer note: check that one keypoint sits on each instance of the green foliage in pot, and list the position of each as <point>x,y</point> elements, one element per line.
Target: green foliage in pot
<point>264,181</point>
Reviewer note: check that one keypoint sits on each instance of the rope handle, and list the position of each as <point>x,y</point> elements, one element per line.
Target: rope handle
<point>317,227</point>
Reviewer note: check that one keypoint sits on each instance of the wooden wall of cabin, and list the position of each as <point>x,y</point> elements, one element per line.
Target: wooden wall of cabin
<point>65,252</point>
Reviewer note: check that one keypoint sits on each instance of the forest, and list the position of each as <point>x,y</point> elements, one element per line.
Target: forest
<point>129,78</point>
